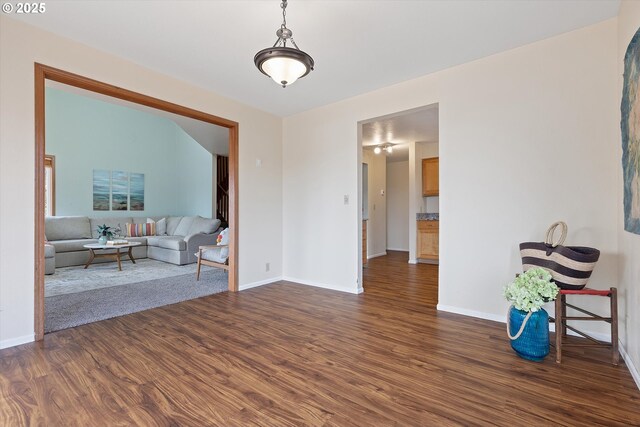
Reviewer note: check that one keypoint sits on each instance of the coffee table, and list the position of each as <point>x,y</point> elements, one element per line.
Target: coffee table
<point>117,255</point>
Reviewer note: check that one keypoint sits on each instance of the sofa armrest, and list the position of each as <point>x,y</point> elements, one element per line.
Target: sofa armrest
<point>194,241</point>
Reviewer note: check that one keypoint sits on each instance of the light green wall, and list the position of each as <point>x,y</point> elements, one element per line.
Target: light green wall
<point>86,134</point>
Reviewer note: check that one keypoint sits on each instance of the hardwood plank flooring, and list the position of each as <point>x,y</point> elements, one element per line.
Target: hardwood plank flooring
<point>292,355</point>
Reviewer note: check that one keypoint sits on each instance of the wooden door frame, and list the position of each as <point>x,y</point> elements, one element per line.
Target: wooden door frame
<point>44,72</point>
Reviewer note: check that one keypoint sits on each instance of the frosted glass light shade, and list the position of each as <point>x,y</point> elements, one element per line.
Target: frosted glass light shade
<point>283,70</point>
<point>284,65</point>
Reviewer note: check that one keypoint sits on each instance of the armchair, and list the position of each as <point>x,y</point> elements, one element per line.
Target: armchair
<point>215,255</point>
<point>212,255</point>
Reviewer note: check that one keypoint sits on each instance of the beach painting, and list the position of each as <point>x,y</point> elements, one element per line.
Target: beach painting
<point>101,190</point>
<point>136,194</point>
<point>119,191</point>
<point>630,127</point>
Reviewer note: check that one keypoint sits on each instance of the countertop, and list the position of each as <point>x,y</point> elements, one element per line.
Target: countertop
<point>427,217</point>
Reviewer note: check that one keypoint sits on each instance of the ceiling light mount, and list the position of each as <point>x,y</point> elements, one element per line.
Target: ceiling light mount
<point>284,64</point>
<point>386,147</point>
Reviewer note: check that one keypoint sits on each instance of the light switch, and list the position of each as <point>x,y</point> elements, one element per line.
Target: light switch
<point>382,192</point>
<point>346,199</point>
<point>258,163</point>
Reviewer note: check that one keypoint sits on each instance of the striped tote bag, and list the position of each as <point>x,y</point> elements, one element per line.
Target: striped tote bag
<point>570,266</point>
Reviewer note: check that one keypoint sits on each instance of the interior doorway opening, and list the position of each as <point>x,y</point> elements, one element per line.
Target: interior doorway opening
<point>46,75</point>
<point>399,195</point>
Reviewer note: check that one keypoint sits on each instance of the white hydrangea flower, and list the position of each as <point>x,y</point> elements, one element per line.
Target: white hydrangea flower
<point>531,289</point>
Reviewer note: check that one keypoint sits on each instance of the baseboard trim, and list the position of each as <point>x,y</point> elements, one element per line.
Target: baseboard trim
<point>503,319</point>
<point>635,373</point>
<point>413,261</point>
<point>471,313</point>
<point>398,249</point>
<point>259,283</point>
<point>357,290</point>
<point>12,342</point>
<point>377,255</point>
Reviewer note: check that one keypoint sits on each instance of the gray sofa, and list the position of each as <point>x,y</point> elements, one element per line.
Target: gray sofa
<point>66,236</point>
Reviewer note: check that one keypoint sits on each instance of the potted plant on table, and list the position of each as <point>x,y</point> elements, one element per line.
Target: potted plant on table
<point>104,234</point>
<point>527,321</point>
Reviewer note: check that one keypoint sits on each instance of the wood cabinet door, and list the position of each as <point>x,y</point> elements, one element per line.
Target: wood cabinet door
<point>428,239</point>
<point>430,176</point>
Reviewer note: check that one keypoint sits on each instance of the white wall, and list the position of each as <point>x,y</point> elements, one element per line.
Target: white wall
<point>523,137</point>
<point>398,206</point>
<point>629,244</point>
<point>260,204</point>
<point>377,204</point>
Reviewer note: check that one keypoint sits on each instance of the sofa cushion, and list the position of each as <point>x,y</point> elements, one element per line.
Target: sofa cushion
<point>67,227</point>
<point>72,245</point>
<point>172,224</point>
<point>114,223</point>
<point>185,224</point>
<point>49,251</point>
<point>176,243</point>
<point>203,225</point>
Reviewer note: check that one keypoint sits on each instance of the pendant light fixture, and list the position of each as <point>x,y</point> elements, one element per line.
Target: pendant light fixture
<point>284,64</point>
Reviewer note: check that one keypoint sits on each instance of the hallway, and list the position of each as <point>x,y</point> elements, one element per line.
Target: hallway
<point>391,276</point>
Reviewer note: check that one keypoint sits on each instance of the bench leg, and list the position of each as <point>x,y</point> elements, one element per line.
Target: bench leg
<point>614,326</point>
<point>559,328</point>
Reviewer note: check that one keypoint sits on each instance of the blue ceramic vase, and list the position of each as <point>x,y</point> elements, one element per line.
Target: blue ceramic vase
<point>533,343</point>
<point>102,240</point>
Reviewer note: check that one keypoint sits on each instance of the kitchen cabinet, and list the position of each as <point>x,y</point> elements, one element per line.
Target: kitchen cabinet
<point>428,237</point>
<point>430,176</point>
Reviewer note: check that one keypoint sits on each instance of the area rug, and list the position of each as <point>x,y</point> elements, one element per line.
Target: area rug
<point>68,280</point>
<point>74,309</point>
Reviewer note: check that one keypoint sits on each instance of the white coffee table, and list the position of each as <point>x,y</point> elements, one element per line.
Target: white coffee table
<point>117,255</point>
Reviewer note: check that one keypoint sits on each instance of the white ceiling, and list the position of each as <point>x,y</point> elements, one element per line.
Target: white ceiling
<point>419,125</point>
<point>358,46</point>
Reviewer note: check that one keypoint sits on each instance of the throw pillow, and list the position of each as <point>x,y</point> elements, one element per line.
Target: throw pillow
<point>161,226</point>
<point>223,239</point>
<point>140,230</point>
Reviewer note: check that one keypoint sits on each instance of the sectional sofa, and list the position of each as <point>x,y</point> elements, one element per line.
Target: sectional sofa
<point>177,244</point>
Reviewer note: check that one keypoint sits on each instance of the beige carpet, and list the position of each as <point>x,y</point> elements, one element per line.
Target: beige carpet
<point>69,280</point>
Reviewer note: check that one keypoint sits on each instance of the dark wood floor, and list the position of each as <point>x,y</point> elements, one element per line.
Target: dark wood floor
<point>292,355</point>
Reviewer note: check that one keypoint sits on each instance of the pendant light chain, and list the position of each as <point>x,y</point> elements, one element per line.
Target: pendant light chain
<point>283,5</point>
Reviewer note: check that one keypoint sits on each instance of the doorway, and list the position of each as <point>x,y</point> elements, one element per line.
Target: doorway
<point>45,73</point>
<point>395,209</point>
